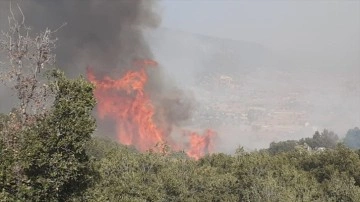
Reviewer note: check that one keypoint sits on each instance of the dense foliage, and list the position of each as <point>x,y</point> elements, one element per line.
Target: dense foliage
<point>43,139</point>
<point>297,175</point>
<point>352,138</point>
<point>49,162</point>
<point>319,141</point>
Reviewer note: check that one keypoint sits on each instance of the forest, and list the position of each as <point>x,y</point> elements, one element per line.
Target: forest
<point>48,151</point>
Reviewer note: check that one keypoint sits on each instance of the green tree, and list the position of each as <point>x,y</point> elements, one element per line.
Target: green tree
<point>43,140</point>
<point>325,164</point>
<point>50,162</point>
<point>126,175</point>
<point>352,138</point>
<point>341,187</point>
<point>326,139</point>
<point>265,177</point>
<point>283,146</point>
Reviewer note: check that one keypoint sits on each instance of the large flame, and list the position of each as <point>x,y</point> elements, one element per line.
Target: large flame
<point>125,101</point>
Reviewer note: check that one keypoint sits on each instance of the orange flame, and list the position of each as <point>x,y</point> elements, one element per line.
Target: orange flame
<point>125,101</point>
<point>200,145</point>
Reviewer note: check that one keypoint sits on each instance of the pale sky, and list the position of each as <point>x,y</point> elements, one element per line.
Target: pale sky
<point>322,28</point>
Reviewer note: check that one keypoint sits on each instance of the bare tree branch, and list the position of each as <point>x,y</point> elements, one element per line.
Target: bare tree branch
<point>28,57</point>
<point>22,14</point>
<point>63,25</point>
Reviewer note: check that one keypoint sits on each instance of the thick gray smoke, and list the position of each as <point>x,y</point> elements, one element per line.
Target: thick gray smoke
<point>105,34</point>
<point>108,36</point>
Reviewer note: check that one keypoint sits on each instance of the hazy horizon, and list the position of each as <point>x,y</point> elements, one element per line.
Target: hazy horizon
<point>317,43</point>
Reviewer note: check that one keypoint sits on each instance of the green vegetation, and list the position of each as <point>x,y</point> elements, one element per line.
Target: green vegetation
<point>326,139</point>
<point>297,175</point>
<point>47,160</point>
<point>352,138</point>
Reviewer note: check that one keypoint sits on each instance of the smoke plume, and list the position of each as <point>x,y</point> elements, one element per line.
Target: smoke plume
<point>108,36</point>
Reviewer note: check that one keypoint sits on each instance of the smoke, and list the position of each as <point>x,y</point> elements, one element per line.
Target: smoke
<point>105,34</point>
<point>108,36</point>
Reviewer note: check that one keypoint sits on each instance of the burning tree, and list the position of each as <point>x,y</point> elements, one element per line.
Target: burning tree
<point>126,101</point>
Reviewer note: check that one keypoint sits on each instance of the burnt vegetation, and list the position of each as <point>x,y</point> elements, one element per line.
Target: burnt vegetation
<point>48,153</point>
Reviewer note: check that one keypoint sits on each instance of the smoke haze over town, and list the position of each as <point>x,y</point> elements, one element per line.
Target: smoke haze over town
<point>255,72</point>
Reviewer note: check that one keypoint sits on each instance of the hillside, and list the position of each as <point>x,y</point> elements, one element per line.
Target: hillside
<point>252,95</point>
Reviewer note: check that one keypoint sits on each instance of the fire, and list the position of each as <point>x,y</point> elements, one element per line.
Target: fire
<point>200,145</point>
<point>125,101</point>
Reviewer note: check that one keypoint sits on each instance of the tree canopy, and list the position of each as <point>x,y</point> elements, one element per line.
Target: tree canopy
<point>352,138</point>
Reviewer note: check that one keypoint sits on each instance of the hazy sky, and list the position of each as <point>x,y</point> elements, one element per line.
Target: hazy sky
<point>321,28</point>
